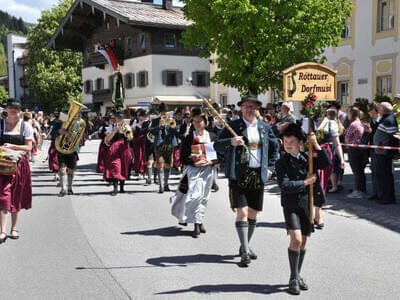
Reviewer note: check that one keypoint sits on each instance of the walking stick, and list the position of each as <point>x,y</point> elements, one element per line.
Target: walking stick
<point>311,170</point>
<point>216,114</point>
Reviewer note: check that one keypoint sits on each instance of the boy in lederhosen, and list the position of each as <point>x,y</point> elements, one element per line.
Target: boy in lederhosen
<point>294,182</point>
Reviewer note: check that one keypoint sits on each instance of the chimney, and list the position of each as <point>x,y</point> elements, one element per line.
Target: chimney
<point>167,4</point>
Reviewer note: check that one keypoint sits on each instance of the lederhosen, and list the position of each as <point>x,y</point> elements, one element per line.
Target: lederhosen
<point>68,160</point>
<point>295,197</point>
<point>248,190</point>
<point>165,150</point>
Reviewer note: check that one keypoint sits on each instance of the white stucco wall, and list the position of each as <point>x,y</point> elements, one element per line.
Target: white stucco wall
<point>15,72</point>
<point>154,65</point>
<point>364,51</point>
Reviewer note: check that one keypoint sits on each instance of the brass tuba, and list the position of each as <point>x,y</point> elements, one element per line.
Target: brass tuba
<point>67,143</point>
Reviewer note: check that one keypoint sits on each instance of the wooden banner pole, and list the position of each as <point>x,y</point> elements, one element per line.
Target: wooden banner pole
<point>311,171</point>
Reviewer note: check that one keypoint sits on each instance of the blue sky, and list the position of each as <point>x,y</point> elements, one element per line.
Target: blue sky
<point>29,10</point>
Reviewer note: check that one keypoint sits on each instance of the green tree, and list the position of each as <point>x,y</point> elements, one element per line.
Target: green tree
<point>3,94</point>
<point>255,40</point>
<point>54,77</point>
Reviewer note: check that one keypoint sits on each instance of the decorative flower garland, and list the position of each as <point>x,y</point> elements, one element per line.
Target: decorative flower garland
<point>312,108</point>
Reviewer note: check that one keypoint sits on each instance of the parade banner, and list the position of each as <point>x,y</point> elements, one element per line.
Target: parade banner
<point>304,79</point>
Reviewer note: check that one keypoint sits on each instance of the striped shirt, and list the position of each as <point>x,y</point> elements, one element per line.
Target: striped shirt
<point>384,133</point>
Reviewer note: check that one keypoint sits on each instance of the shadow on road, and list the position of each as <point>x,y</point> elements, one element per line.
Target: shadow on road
<point>184,261</point>
<point>111,268</point>
<point>165,232</point>
<point>387,216</point>
<point>232,288</point>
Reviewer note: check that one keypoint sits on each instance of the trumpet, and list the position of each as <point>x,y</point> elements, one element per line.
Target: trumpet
<point>126,129</point>
<point>169,119</point>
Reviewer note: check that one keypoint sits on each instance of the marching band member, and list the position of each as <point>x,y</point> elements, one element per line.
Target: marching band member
<point>55,126</point>
<point>191,198</point>
<point>16,189</point>
<point>292,169</point>
<point>139,165</point>
<point>165,140</point>
<point>249,163</point>
<point>119,156</point>
<point>67,163</point>
<point>177,150</point>
<point>149,149</point>
<point>102,147</point>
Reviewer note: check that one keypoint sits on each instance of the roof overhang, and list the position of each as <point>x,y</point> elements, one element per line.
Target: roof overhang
<point>178,100</point>
<point>82,19</point>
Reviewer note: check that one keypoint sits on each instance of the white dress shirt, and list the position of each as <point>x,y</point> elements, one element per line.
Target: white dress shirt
<point>254,138</point>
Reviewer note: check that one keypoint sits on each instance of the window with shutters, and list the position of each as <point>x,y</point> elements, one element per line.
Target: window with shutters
<point>223,100</point>
<point>88,87</point>
<point>169,40</point>
<point>142,41</point>
<point>201,79</point>
<point>172,78</point>
<point>111,82</point>
<point>129,46</point>
<point>343,92</point>
<point>99,84</point>
<point>346,33</point>
<point>384,86</point>
<point>142,79</point>
<point>386,15</point>
<point>129,80</point>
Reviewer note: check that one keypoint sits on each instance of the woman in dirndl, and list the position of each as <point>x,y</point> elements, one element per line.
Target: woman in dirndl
<point>193,193</point>
<point>332,146</point>
<point>102,147</point>
<point>139,147</point>
<point>55,126</point>
<point>16,189</point>
<point>119,155</point>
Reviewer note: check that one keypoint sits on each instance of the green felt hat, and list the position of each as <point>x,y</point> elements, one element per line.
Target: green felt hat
<point>11,102</point>
<point>249,96</point>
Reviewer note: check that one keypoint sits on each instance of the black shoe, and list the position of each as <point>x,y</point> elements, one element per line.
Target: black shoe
<point>302,284</point>
<point>161,190</point>
<point>70,192</point>
<point>166,188</point>
<point>2,240</point>
<point>148,181</point>
<point>114,192</point>
<point>62,194</point>
<point>14,236</point>
<point>252,254</point>
<point>202,228</point>
<point>319,226</point>
<point>122,191</point>
<point>294,287</point>
<point>182,224</point>
<point>215,188</point>
<point>196,231</point>
<point>244,260</point>
<point>386,202</point>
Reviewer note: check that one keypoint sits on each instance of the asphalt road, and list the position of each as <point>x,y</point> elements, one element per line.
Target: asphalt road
<point>95,246</point>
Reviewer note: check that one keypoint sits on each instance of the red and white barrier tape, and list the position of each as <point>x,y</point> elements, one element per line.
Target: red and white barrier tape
<point>371,147</point>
